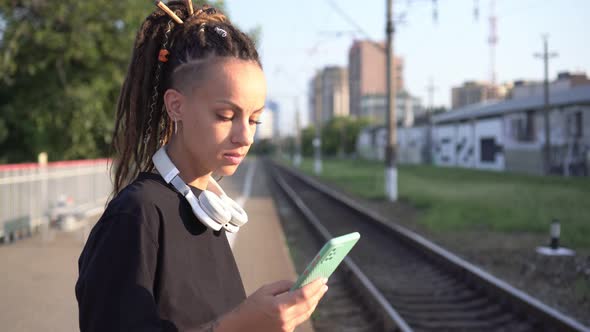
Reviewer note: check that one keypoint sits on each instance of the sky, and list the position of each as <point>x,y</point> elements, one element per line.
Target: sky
<point>300,37</point>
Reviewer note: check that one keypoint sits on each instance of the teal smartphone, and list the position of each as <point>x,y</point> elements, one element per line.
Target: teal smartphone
<point>327,259</point>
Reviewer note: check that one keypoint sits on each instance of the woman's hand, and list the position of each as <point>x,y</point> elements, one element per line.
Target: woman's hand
<point>273,308</point>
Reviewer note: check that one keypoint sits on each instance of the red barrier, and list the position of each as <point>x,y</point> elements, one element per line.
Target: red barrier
<point>54,164</point>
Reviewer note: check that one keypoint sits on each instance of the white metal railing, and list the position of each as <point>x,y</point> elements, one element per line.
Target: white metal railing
<point>29,191</point>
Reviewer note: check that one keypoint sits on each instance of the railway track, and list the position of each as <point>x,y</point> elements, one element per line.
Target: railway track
<point>341,309</point>
<point>396,280</point>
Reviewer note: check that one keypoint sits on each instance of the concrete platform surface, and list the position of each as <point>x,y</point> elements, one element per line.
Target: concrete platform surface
<point>260,247</point>
<point>37,283</point>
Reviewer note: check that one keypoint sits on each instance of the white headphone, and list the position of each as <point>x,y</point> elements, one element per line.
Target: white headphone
<point>213,207</point>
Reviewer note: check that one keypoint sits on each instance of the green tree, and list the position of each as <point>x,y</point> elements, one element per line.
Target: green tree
<point>62,64</point>
<point>263,147</point>
<point>289,145</point>
<point>353,129</point>
<point>307,137</point>
<point>339,136</point>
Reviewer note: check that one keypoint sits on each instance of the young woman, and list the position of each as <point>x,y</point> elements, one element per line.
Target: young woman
<point>158,259</point>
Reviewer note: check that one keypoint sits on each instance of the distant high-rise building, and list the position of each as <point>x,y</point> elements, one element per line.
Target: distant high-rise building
<point>269,129</point>
<point>407,108</point>
<point>273,106</point>
<point>367,72</point>
<point>472,92</point>
<point>329,94</point>
<point>334,92</point>
<point>315,88</point>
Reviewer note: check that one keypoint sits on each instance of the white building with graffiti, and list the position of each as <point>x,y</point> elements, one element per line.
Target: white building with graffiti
<point>506,135</point>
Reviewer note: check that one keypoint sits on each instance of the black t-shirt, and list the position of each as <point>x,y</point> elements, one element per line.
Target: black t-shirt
<point>150,265</point>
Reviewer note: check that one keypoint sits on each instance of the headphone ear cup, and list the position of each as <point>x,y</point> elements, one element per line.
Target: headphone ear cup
<point>215,207</point>
<point>238,215</point>
<point>231,227</point>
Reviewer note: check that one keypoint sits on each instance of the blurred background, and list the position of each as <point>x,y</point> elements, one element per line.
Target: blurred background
<point>488,129</point>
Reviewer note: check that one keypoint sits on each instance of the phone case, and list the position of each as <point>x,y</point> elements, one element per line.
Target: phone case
<point>327,259</point>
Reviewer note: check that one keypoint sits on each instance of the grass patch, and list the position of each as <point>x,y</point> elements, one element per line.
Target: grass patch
<point>357,176</point>
<point>582,289</point>
<point>465,199</point>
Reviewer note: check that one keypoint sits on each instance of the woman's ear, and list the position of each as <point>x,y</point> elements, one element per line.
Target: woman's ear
<point>174,99</point>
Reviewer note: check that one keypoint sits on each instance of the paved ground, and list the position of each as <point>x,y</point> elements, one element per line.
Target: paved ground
<point>37,284</point>
<point>260,247</point>
<point>39,273</point>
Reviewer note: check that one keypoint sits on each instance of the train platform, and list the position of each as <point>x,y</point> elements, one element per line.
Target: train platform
<point>39,273</point>
<point>260,247</point>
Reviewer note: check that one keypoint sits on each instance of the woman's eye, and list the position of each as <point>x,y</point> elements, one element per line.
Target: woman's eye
<point>224,118</point>
<point>227,118</point>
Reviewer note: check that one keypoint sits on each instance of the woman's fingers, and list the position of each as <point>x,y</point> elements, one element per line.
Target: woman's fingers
<point>288,308</point>
<point>304,300</point>
<point>304,315</point>
<point>309,306</point>
<point>304,293</point>
<point>276,288</point>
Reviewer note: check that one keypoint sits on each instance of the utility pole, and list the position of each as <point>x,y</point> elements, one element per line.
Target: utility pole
<point>390,150</point>
<point>275,115</point>
<point>430,89</point>
<point>297,158</point>
<point>317,142</point>
<point>434,11</point>
<point>493,41</point>
<point>546,55</point>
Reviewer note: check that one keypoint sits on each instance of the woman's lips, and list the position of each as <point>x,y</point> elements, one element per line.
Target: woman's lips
<point>233,158</point>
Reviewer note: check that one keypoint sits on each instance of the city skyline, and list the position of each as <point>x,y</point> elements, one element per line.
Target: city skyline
<point>451,51</point>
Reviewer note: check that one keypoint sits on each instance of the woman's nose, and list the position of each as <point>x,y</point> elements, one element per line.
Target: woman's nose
<point>243,133</point>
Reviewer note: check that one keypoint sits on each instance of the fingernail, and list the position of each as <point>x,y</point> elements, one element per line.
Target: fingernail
<point>324,288</point>
<point>324,281</point>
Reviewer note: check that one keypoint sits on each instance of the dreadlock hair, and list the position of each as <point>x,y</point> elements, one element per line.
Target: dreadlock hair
<point>142,124</point>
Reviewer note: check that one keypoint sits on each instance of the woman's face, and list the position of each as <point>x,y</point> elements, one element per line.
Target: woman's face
<point>219,116</point>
